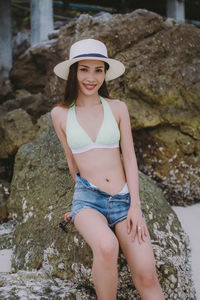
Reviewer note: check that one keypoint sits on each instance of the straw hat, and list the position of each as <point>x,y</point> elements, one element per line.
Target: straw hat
<point>89,49</point>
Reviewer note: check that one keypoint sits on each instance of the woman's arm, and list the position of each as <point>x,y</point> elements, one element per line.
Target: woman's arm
<point>59,118</point>
<point>128,153</point>
<point>136,223</point>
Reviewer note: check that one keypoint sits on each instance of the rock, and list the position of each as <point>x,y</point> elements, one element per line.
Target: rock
<point>20,43</point>
<point>21,93</point>
<point>4,193</point>
<point>8,105</point>
<point>14,103</point>
<point>41,192</point>
<point>161,87</point>
<point>6,168</point>
<point>172,158</point>
<point>16,128</point>
<point>38,285</point>
<point>53,34</point>
<point>6,234</point>
<point>31,69</point>
<point>5,89</point>
<point>34,104</point>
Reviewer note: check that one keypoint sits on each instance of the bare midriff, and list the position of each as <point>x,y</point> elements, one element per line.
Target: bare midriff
<point>103,168</point>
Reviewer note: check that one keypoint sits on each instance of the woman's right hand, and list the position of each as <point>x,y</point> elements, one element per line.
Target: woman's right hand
<point>68,216</point>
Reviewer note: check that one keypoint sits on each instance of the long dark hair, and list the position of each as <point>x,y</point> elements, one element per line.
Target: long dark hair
<point>71,88</point>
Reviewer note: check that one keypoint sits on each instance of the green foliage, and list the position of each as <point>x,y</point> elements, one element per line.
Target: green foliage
<point>20,11</point>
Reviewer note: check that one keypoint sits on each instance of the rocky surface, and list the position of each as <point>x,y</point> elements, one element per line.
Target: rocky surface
<point>5,89</point>
<point>21,41</point>
<point>41,192</point>
<point>32,284</point>
<point>34,104</point>
<point>4,193</point>
<point>161,87</point>
<point>16,128</point>
<point>32,67</point>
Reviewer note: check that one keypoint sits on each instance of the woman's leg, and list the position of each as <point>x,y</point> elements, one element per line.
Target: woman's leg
<point>141,262</point>
<point>94,228</point>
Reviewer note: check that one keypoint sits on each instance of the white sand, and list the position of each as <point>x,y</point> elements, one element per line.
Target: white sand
<point>5,260</point>
<point>190,219</point>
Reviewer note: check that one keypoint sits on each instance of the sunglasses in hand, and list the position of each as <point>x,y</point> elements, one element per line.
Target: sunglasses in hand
<point>63,225</point>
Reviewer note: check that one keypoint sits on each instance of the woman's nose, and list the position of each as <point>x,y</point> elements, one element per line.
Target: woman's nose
<point>90,76</point>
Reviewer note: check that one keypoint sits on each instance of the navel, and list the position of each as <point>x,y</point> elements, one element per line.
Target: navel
<point>107,179</point>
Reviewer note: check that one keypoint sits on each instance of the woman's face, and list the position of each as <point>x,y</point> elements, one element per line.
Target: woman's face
<point>90,76</point>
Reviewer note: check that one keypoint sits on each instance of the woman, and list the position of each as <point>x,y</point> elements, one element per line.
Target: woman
<point>106,204</point>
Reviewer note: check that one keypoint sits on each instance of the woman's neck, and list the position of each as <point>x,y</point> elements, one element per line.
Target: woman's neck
<point>89,101</point>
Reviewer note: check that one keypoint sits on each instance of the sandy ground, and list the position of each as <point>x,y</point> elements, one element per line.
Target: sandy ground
<point>5,260</point>
<point>190,219</point>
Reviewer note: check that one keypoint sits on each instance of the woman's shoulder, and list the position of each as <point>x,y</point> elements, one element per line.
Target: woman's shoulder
<point>58,109</point>
<point>119,108</point>
<point>58,115</point>
<point>117,104</point>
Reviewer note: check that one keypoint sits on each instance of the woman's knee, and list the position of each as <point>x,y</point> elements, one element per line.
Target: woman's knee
<point>107,249</point>
<point>146,279</point>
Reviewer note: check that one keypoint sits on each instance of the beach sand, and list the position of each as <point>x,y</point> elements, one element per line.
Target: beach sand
<point>189,217</point>
<point>5,260</point>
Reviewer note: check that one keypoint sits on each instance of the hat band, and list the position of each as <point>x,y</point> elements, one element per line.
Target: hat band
<point>90,54</point>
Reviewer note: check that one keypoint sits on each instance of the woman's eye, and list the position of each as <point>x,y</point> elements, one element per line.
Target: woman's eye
<point>83,69</point>
<point>99,70</point>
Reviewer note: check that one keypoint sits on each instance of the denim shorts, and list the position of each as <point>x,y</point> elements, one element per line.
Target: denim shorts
<point>114,208</point>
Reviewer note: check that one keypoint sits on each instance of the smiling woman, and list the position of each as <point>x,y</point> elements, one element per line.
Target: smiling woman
<point>90,76</point>
<point>71,90</point>
<point>92,129</point>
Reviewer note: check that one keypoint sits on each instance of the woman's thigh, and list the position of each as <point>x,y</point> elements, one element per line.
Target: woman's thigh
<point>93,226</point>
<point>140,257</point>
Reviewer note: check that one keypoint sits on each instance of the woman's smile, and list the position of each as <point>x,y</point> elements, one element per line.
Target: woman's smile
<point>89,86</point>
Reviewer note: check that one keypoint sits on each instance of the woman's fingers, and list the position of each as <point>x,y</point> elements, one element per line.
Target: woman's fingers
<point>135,230</point>
<point>137,227</point>
<point>131,228</point>
<point>142,233</point>
<point>67,216</point>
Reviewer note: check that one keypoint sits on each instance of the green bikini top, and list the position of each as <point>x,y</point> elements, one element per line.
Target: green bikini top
<point>78,139</point>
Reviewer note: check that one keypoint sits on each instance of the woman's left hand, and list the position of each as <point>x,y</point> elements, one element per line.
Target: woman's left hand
<point>136,225</point>
<point>68,216</point>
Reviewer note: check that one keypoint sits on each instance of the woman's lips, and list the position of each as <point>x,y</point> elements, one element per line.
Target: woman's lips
<point>89,86</point>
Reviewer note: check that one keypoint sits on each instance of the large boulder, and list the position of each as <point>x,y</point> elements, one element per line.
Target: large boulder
<point>16,128</point>
<point>41,192</point>
<point>31,68</point>
<point>34,104</point>
<point>161,87</point>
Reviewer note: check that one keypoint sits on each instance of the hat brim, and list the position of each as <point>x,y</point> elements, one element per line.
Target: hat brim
<point>116,68</point>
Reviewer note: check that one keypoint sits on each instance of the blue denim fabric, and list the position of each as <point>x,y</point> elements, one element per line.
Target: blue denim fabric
<point>114,208</point>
